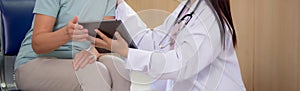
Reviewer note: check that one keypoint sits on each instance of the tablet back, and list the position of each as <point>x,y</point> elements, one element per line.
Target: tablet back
<point>109,27</point>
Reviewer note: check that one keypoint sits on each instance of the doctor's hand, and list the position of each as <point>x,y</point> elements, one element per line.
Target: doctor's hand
<point>119,46</point>
<point>83,58</point>
<point>75,31</point>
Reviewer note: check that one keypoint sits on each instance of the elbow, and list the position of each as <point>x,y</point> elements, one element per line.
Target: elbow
<point>37,48</point>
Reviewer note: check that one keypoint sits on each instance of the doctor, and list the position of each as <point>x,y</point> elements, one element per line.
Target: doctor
<point>194,47</point>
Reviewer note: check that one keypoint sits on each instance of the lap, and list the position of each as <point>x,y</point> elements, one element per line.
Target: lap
<point>46,74</point>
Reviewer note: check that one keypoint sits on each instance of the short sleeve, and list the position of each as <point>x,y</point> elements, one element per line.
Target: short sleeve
<point>47,7</point>
<point>110,8</point>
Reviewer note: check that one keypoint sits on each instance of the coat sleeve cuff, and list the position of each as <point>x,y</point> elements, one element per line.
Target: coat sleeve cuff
<point>138,60</point>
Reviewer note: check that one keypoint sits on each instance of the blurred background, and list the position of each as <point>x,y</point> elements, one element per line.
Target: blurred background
<point>268,39</point>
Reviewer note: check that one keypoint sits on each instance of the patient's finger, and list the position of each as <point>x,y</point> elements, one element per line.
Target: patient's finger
<point>78,27</point>
<point>79,59</point>
<point>85,60</point>
<point>81,31</point>
<point>80,37</point>
<point>75,61</point>
<point>93,58</point>
<point>91,39</point>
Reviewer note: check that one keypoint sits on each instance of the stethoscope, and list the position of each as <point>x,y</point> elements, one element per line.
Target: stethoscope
<point>185,18</point>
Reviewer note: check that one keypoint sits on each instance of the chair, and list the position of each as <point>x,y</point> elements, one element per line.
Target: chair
<point>16,19</point>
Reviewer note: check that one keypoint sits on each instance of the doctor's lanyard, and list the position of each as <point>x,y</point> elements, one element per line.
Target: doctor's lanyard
<point>177,22</point>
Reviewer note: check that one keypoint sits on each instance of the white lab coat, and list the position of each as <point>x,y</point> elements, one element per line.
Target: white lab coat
<point>198,62</point>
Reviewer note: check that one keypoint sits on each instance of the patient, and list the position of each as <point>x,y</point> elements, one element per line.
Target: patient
<point>44,62</point>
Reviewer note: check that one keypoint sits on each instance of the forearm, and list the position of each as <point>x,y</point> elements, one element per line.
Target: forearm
<point>44,43</point>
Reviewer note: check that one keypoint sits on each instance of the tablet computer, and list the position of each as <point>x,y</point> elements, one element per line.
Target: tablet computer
<point>109,27</point>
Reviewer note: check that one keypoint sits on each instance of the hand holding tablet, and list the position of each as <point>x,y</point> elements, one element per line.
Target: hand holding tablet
<point>108,28</point>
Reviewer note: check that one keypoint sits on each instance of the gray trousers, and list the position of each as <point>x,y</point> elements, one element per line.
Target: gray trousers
<point>46,74</point>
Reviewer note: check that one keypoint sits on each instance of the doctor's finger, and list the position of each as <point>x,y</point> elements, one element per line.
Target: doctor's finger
<point>104,37</point>
<point>119,37</point>
<point>100,43</point>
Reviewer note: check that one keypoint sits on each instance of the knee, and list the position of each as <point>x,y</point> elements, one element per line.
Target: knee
<point>111,59</point>
<point>104,72</point>
<point>115,65</point>
<point>102,67</point>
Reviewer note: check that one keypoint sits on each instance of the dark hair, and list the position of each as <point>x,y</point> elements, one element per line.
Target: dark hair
<point>222,7</point>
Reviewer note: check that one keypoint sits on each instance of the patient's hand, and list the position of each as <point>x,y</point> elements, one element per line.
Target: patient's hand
<point>83,58</point>
<point>75,31</point>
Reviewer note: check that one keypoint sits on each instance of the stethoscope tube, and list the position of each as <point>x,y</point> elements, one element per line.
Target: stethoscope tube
<point>177,21</point>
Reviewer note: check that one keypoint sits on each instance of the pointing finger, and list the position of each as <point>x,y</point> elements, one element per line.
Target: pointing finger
<point>104,37</point>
